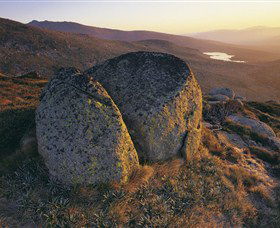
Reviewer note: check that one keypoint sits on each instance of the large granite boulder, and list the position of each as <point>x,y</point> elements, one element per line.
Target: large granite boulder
<point>160,100</point>
<point>80,131</point>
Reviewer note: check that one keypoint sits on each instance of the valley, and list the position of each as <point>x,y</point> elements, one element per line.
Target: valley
<point>25,48</point>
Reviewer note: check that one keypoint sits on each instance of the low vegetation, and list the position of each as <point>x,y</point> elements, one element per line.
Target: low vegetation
<point>202,193</point>
<point>18,100</point>
<point>219,188</point>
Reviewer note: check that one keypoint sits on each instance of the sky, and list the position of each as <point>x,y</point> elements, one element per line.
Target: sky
<point>173,16</point>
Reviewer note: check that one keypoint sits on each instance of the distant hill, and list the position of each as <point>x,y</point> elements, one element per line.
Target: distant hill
<point>259,37</point>
<point>25,49</point>
<point>113,34</point>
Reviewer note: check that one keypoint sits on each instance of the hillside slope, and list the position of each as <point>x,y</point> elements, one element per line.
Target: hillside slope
<point>225,186</point>
<point>24,49</point>
<point>267,79</point>
<point>239,36</point>
<point>114,34</point>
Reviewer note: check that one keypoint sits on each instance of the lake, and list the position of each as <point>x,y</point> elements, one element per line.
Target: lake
<point>222,56</point>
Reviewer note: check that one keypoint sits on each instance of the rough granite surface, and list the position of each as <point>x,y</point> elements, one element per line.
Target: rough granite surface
<point>223,91</point>
<point>255,125</point>
<point>80,131</point>
<point>160,101</point>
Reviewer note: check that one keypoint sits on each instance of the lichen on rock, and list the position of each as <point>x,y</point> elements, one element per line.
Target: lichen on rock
<point>160,101</point>
<point>80,131</point>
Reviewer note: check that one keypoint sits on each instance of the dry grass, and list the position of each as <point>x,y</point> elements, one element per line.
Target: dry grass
<point>17,115</point>
<point>265,155</point>
<point>243,131</point>
<point>212,144</point>
<point>205,192</point>
<point>210,141</point>
<point>217,113</point>
<point>268,113</point>
<point>211,191</point>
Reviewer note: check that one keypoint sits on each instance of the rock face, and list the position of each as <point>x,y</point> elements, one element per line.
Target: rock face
<point>256,125</point>
<point>159,99</point>
<point>240,98</point>
<point>80,131</point>
<point>219,97</point>
<point>223,91</point>
<point>274,143</point>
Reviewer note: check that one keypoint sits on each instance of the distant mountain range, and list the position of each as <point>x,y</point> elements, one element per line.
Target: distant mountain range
<point>25,48</point>
<point>243,53</point>
<point>259,37</point>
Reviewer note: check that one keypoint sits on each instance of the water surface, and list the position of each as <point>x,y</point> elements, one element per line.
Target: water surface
<point>222,56</point>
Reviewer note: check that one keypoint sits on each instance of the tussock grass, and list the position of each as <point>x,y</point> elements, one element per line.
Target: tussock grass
<point>265,155</point>
<point>210,141</point>
<point>268,113</point>
<point>245,132</point>
<point>210,191</point>
<point>272,108</point>
<point>212,144</point>
<point>217,113</point>
<point>202,193</point>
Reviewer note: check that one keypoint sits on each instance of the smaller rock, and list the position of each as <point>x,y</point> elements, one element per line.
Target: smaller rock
<point>223,91</point>
<point>274,143</point>
<point>256,126</point>
<point>219,97</point>
<point>231,138</point>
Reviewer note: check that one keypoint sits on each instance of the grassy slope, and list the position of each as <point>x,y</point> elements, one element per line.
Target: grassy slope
<point>267,80</point>
<point>217,188</point>
<point>24,48</point>
<point>18,100</point>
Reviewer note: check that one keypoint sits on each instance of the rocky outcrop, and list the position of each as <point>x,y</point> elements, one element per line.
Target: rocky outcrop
<point>159,99</point>
<point>80,131</point>
<point>223,91</point>
<point>274,143</point>
<point>255,125</point>
<point>219,97</point>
